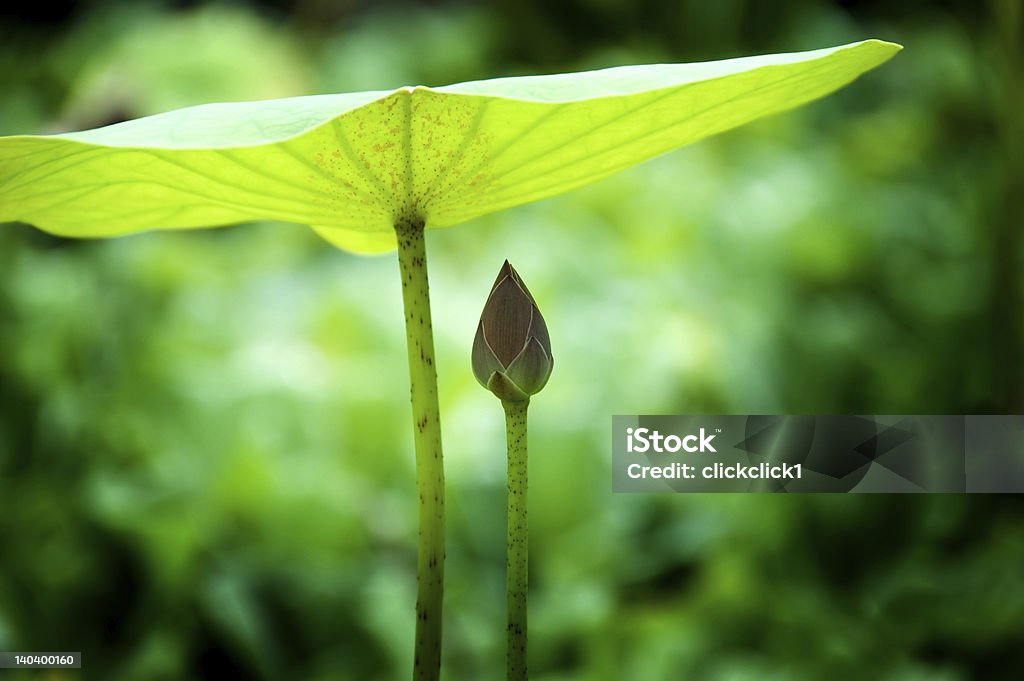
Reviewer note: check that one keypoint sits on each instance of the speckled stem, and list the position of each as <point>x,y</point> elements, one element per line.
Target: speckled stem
<point>517,567</point>
<point>412,263</point>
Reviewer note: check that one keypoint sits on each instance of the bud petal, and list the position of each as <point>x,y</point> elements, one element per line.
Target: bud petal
<point>506,320</point>
<point>505,389</point>
<point>531,369</point>
<point>539,330</point>
<point>484,361</point>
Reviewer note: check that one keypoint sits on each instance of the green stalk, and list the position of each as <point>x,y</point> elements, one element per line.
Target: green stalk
<point>517,567</point>
<point>412,263</point>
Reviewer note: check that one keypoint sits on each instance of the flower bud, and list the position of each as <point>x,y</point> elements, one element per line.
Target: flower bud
<point>512,350</point>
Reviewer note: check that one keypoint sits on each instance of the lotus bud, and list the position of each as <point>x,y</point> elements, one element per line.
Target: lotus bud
<point>512,350</point>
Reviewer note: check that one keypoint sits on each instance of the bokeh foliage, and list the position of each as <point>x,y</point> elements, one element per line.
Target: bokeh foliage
<point>205,466</point>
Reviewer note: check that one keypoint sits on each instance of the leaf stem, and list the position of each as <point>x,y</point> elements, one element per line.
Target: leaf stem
<point>412,263</point>
<point>517,567</point>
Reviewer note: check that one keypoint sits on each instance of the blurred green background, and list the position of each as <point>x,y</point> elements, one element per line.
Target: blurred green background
<point>205,457</point>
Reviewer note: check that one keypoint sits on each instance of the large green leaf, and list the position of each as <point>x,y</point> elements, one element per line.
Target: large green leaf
<point>352,165</point>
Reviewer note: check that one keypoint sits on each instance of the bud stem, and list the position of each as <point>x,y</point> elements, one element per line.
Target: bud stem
<point>412,263</point>
<point>517,566</point>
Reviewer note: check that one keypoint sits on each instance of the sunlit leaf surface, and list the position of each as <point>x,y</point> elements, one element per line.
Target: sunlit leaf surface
<point>352,165</point>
